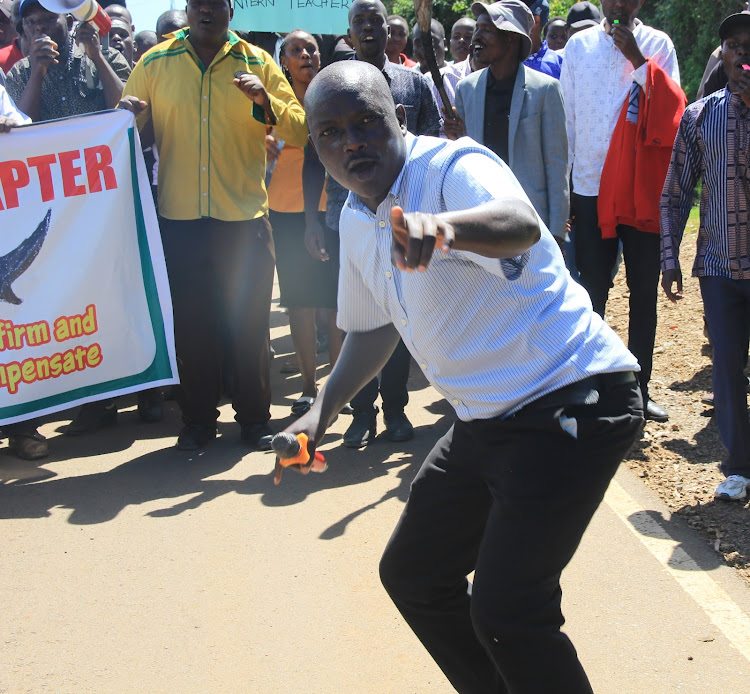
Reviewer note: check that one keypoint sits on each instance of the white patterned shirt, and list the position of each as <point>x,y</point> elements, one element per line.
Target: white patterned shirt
<point>490,335</point>
<point>596,79</point>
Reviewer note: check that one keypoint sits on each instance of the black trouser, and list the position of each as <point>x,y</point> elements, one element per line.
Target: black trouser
<point>595,259</point>
<point>392,387</point>
<point>510,500</point>
<point>26,428</point>
<point>727,308</point>
<point>221,279</point>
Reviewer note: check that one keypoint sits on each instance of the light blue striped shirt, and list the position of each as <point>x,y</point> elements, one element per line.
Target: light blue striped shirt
<point>490,335</point>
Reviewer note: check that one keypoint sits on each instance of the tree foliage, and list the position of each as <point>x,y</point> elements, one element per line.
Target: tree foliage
<point>693,25</point>
<point>447,12</point>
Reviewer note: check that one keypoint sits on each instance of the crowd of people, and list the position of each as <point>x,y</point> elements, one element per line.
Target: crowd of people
<point>479,237</point>
<point>566,102</point>
<point>525,85</point>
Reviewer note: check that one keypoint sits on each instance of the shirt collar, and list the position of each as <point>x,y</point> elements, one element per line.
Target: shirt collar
<point>182,34</point>
<point>355,202</point>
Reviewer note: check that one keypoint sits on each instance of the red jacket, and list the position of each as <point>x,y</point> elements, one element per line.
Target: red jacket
<point>638,157</point>
<point>10,55</point>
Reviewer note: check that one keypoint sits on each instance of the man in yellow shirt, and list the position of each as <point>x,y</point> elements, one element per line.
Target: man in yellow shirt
<point>206,97</point>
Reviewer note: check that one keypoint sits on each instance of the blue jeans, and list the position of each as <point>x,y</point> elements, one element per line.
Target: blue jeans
<point>726,303</point>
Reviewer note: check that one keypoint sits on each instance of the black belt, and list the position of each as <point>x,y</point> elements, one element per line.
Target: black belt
<point>585,392</point>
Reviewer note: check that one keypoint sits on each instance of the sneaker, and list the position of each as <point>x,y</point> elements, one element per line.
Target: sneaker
<point>398,427</point>
<point>362,430</point>
<point>258,435</point>
<point>93,416</point>
<point>195,436</point>
<point>733,488</point>
<point>29,446</point>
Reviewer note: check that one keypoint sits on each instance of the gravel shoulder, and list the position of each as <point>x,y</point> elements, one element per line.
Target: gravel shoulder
<point>679,459</point>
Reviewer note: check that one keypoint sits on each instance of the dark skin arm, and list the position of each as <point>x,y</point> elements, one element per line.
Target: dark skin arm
<point>497,229</point>
<point>362,357</point>
<point>502,228</point>
<point>136,107</point>
<point>669,278</point>
<point>42,53</point>
<point>6,124</point>
<point>453,126</point>
<point>313,180</point>
<point>625,41</point>
<point>254,89</point>
<point>87,36</point>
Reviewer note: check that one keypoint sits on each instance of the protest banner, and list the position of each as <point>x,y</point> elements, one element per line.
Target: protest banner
<point>85,310</point>
<point>315,16</point>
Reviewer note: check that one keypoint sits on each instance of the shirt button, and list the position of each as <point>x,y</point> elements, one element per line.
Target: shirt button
<point>389,274</point>
<point>456,403</point>
<point>204,98</point>
<point>204,168</point>
<point>205,195</point>
<point>204,120</point>
<point>403,321</point>
<point>63,98</point>
<point>424,366</point>
<point>381,224</point>
<point>396,201</point>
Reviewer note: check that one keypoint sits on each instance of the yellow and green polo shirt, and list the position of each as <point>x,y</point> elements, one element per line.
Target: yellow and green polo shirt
<point>210,136</point>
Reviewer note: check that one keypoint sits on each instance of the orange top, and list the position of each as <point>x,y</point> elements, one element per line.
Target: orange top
<point>285,188</point>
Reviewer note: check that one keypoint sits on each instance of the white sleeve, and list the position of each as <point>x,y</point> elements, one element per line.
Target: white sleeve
<point>9,110</point>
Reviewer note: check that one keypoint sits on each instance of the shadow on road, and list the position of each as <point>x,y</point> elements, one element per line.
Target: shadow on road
<point>654,524</point>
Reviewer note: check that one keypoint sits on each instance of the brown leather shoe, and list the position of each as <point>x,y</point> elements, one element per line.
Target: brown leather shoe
<point>29,446</point>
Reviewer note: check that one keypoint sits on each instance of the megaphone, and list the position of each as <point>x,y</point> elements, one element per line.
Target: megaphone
<point>83,10</point>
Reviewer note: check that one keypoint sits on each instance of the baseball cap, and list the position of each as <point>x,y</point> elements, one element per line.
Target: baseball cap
<point>733,21</point>
<point>583,14</point>
<point>509,15</point>
<point>26,5</point>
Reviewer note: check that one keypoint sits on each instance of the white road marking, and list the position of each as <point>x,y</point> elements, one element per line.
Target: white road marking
<point>710,596</point>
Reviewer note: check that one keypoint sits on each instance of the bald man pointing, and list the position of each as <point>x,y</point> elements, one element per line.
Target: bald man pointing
<point>439,246</point>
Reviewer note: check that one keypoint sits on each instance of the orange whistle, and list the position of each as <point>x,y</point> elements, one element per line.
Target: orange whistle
<point>303,456</point>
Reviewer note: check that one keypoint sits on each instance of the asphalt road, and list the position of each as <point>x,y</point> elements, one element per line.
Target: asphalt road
<point>127,566</point>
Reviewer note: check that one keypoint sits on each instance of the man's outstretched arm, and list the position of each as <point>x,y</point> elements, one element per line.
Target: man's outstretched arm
<point>362,357</point>
<point>500,228</point>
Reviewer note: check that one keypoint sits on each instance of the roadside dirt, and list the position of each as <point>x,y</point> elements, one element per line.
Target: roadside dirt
<point>679,459</point>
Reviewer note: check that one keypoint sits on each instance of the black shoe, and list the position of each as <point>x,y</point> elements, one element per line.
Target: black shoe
<point>258,435</point>
<point>398,427</point>
<point>31,446</point>
<point>150,405</point>
<point>362,430</point>
<point>195,436</point>
<point>655,413</point>
<point>93,416</point>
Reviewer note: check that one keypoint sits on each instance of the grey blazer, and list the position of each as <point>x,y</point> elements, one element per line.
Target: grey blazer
<point>537,139</point>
